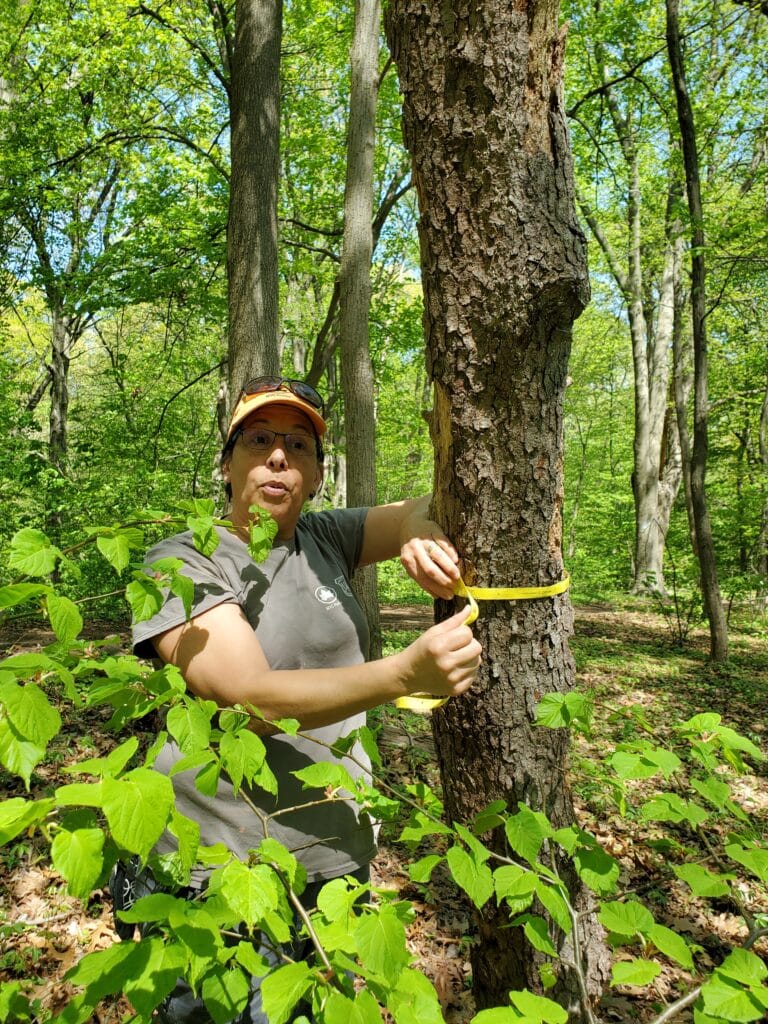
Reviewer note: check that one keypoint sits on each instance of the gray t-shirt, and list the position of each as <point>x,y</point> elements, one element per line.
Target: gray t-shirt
<point>302,609</point>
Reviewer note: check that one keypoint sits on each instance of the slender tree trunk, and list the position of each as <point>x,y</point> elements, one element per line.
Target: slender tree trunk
<point>713,605</point>
<point>355,289</point>
<point>252,225</point>
<point>655,481</point>
<point>762,541</point>
<point>504,276</point>
<point>57,419</point>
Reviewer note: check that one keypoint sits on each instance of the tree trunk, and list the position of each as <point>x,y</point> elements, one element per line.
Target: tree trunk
<point>655,481</point>
<point>252,224</point>
<point>355,289</point>
<point>713,605</point>
<point>504,277</point>
<point>57,419</point>
<point>761,562</point>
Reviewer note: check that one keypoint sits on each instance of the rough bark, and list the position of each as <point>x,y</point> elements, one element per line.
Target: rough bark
<point>252,223</point>
<point>355,289</point>
<point>713,605</point>
<point>504,277</point>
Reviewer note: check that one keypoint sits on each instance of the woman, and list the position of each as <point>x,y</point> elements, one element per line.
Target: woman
<point>288,636</point>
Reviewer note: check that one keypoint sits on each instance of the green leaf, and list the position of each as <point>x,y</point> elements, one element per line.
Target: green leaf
<point>144,597</point>
<point>743,966</point>
<point>474,878</point>
<point>190,726</point>
<point>515,885</point>
<point>553,901</point>
<point>380,940</point>
<point>204,536</point>
<point>597,869</point>
<point>323,775</point>
<point>78,857</point>
<point>262,533</point>
<point>421,870</point>
<point>526,831</point>
<point>536,930</point>
<point>273,853</point>
<point>66,620</point>
<point>734,741</point>
<point>701,724</point>
<point>31,713</point>
<point>671,807</point>
<point>363,1009</point>
<point>158,906</point>
<point>672,945</point>
<point>184,588</point>
<point>561,710</point>
<point>18,755</point>
<point>713,790</point>
<point>538,1007</point>
<point>500,1015</point>
<point>32,553</point>
<point>17,814</point>
<point>634,972</point>
<point>242,756</point>
<point>754,858</point>
<point>146,971</point>
<point>207,779</point>
<point>14,1006</point>
<point>630,765</point>
<point>137,807</point>
<point>116,546</point>
<point>627,919</point>
<point>726,999</point>
<point>283,989</point>
<point>249,891</point>
<point>18,593</point>
<point>414,1000</point>
<point>702,881</point>
<point>225,993</point>
<point>85,794</point>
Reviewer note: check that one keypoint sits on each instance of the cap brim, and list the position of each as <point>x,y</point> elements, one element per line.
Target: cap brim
<point>250,403</point>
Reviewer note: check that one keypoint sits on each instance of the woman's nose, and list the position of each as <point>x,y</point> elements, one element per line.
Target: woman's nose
<point>276,456</point>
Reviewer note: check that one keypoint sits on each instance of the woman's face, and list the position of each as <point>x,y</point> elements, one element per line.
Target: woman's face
<point>275,480</point>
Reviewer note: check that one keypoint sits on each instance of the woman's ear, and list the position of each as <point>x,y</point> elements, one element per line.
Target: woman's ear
<point>317,482</point>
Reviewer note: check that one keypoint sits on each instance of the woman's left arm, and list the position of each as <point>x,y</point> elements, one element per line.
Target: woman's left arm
<point>404,528</point>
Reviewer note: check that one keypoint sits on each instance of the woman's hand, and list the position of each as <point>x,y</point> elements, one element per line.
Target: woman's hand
<point>427,555</point>
<point>444,660</point>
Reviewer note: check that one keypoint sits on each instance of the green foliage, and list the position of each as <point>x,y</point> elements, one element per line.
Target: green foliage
<point>122,806</point>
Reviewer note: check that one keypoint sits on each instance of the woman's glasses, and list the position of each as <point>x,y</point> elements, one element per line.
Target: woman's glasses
<point>305,392</point>
<point>260,439</point>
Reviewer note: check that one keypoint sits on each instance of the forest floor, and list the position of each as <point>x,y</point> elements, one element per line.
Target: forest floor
<point>624,658</point>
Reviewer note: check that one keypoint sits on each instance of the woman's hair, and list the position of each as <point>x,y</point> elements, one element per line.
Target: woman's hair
<point>226,451</point>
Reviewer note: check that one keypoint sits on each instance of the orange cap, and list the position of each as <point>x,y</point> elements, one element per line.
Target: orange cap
<point>250,403</point>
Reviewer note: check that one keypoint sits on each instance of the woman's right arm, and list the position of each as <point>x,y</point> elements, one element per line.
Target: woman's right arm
<point>221,660</point>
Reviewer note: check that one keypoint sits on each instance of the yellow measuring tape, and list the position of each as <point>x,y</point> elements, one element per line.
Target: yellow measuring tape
<point>424,701</point>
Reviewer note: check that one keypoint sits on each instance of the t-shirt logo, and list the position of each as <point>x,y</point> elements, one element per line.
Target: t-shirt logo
<point>342,584</point>
<point>325,595</point>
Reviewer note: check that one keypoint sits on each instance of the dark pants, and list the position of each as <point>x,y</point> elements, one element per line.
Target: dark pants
<point>182,1006</point>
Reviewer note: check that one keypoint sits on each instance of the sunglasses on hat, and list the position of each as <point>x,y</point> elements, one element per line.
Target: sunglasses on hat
<point>261,385</point>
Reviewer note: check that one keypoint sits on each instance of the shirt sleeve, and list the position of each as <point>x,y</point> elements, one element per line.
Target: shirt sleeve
<point>212,588</point>
<point>342,530</point>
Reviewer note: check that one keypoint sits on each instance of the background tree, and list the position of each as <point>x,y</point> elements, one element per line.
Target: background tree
<point>504,276</point>
<point>355,287</point>
<point>699,449</point>
<point>252,255</point>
